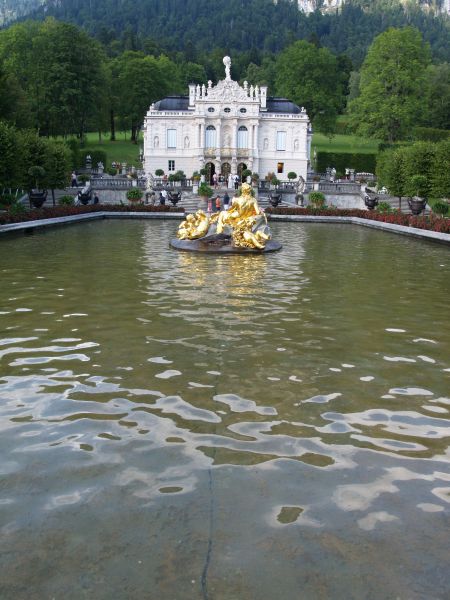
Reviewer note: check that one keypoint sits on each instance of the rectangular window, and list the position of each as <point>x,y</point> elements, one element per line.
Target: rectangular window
<point>171,138</point>
<point>281,140</point>
<point>171,165</point>
<point>280,167</point>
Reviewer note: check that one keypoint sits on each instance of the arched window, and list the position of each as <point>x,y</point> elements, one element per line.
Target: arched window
<point>242,138</point>
<point>210,137</point>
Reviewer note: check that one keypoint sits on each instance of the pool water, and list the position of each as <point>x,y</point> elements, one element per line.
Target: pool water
<point>178,426</point>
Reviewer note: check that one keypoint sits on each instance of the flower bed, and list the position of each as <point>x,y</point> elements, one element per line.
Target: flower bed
<point>69,211</point>
<point>429,222</point>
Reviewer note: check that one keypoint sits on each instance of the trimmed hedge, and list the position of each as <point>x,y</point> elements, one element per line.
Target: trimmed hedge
<point>429,134</point>
<point>362,163</point>
<point>69,211</point>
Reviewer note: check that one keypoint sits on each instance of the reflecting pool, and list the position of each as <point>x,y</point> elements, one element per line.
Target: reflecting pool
<point>178,426</point>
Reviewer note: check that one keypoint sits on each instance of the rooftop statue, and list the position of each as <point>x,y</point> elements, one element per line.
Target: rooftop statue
<point>242,226</point>
<point>227,63</point>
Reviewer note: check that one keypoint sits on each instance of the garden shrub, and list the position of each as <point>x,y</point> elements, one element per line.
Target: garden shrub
<point>362,163</point>
<point>317,199</point>
<point>66,200</point>
<point>135,194</point>
<point>440,208</point>
<point>384,208</point>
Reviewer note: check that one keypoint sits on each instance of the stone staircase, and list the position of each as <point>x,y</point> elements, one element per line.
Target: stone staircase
<point>190,202</point>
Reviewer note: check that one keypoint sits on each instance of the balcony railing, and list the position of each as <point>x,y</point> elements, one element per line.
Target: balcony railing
<point>227,152</point>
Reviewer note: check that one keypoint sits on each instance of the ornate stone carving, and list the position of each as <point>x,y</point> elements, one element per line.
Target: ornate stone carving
<point>228,91</point>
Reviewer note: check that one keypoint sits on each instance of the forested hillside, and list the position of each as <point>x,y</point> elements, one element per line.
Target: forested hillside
<point>195,26</point>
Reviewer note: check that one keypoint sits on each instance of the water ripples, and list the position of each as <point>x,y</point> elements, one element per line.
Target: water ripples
<point>305,365</point>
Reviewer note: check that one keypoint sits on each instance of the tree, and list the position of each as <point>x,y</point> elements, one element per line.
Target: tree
<point>9,156</point>
<point>192,73</point>
<point>14,106</point>
<point>399,168</point>
<point>57,165</point>
<point>437,113</point>
<point>440,173</point>
<point>391,86</point>
<point>391,171</point>
<point>60,68</point>
<point>310,77</point>
<point>139,80</point>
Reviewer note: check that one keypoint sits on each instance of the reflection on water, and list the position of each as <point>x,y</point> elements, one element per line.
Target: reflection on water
<point>173,424</point>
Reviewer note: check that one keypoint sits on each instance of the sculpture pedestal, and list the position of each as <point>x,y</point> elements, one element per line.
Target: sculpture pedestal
<point>221,247</point>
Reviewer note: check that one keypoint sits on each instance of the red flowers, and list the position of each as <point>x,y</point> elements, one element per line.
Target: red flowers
<point>429,222</point>
<point>53,212</point>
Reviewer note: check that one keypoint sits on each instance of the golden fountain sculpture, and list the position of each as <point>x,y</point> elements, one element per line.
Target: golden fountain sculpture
<point>243,225</point>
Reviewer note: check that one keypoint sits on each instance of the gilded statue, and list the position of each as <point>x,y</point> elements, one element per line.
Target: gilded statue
<point>243,222</point>
<point>195,226</point>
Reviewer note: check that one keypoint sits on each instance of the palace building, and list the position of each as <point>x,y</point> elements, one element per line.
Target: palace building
<point>227,128</point>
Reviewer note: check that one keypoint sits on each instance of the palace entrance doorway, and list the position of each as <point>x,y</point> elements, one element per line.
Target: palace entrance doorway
<point>210,170</point>
<point>225,170</point>
<point>241,167</point>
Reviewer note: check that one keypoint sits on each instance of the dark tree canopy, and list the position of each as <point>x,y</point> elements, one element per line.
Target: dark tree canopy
<point>392,86</point>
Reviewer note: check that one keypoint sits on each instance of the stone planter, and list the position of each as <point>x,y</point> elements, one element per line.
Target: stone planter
<point>203,203</point>
<point>274,199</point>
<point>371,201</point>
<point>85,197</point>
<point>174,197</point>
<point>417,205</point>
<point>37,198</point>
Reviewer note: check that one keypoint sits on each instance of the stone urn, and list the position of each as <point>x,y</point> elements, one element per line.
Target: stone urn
<point>37,198</point>
<point>203,203</point>
<point>417,205</point>
<point>370,201</point>
<point>174,197</point>
<point>274,199</point>
<point>85,197</point>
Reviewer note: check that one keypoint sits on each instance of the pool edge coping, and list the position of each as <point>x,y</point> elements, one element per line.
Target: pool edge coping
<point>434,236</point>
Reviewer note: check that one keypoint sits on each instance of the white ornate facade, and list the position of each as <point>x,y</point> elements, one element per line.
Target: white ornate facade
<point>227,128</point>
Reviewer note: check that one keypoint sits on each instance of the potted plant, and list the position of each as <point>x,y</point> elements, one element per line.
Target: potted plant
<point>274,182</point>
<point>246,175</point>
<point>159,173</point>
<point>37,195</point>
<point>291,176</point>
<point>203,173</point>
<point>417,188</point>
<point>317,200</point>
<point>205,192</point>
<point>134,195</point>
<point>177,177</point>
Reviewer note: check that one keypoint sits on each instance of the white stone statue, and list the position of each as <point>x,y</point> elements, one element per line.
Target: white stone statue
<point>227,63</point>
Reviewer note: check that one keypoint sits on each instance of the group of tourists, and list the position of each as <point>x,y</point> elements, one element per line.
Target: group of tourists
<point>218,204</point>
<point>219,180</point>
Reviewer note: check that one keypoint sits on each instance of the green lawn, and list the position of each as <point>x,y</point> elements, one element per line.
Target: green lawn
<point>122,150</point>
<point>344,143</point>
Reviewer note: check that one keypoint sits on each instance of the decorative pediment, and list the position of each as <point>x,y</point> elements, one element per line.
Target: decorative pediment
<point>227,90</point>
